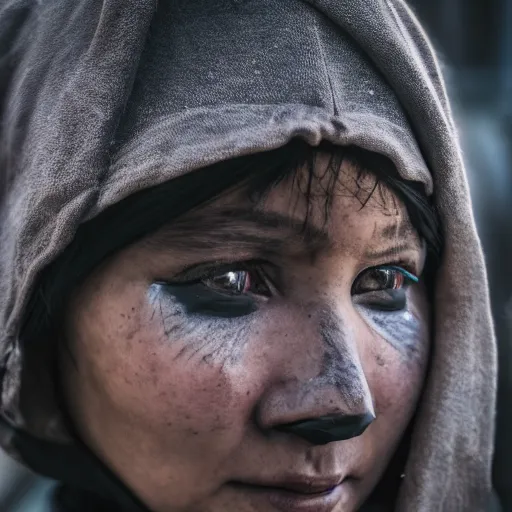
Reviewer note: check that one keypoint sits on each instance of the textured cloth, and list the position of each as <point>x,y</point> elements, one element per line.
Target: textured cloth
<point>102,98</point>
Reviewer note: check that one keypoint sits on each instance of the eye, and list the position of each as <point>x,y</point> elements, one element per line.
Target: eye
<point>382,278</point>
<point>238,282</point>
<point>383,288</point>
<point>227,291</point>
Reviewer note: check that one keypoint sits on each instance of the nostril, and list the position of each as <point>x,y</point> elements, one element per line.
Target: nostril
<point>327,429</point>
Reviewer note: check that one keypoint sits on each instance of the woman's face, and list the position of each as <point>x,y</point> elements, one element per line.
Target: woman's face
<point>196,351</point>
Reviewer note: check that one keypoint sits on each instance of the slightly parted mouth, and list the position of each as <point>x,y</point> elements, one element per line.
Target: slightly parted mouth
<point>297,485</point>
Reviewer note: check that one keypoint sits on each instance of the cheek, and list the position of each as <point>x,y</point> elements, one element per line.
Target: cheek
<point>172,391</point>
<point>152,368</point>
<point>406,331</point>
<point>396,385</point>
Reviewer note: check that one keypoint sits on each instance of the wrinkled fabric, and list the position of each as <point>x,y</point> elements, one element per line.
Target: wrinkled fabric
<point>102,98</point>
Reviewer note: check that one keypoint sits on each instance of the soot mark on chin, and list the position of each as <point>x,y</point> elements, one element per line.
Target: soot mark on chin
<point>339,368</point>
<point>213,341</point>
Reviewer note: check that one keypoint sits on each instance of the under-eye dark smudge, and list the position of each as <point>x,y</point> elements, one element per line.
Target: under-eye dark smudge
<point>388,300</point>
<point>214,339</point>
<point>398,326</point>
<point>198,299</point>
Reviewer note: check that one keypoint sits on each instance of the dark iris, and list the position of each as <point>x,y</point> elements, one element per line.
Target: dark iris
<point>383,288</point>
<point>239,282</point>
<point>235,282</point>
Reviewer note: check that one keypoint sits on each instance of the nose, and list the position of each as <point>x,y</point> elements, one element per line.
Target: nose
<point>322,395</point>
<point>327,429</point>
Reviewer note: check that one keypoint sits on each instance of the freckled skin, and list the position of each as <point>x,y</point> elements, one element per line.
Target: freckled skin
<point>180,404</point>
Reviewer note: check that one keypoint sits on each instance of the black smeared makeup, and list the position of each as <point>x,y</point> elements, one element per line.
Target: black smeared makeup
<point>211,339</point>
<point>331,428</point>
<point>401,328</point>
<point>386,300</point>
<point>223,290</point>
<point>338,364</point>
<point>198,299</point>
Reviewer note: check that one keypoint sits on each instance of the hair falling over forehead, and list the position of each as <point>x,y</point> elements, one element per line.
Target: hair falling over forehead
<point>374,173</point>
<point>144,212</point>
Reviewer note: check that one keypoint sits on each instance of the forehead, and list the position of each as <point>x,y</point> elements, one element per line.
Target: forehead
<point>343,200</point>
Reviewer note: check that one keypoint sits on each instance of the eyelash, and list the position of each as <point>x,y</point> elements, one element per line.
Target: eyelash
<point>199,274</point>
<point>199,293</point>
<point>403,267</point>
<point>407,278</point>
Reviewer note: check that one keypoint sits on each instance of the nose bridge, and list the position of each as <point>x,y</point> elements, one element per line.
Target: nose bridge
<point>341,365</point>
<point>334,404</point>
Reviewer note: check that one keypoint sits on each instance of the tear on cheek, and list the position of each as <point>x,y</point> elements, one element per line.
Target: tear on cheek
<point>401,329</point>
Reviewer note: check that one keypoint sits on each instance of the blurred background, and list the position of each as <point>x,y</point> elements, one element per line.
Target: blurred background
<point>474,41</point>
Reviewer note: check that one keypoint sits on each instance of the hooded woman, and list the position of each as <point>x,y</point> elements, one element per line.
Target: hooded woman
<point>239,269</point>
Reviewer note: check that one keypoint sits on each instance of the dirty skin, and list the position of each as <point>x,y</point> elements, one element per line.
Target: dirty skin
<point>190,315</point>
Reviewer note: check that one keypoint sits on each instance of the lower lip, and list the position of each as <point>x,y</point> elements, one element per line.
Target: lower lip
<point>290,501</point>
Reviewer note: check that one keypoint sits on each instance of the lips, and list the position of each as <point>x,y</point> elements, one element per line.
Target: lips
<point>307,486</point>
<point>298,494</point>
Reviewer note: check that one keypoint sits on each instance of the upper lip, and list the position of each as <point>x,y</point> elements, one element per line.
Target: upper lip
<point>302,485</point>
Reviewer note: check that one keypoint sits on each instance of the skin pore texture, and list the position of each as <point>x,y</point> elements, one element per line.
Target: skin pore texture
<point>192,352</point>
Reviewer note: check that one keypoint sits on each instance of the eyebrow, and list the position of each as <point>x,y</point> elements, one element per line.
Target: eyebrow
<point>390,252</point>
<point>269,232</point>
<point>240,228</point>
<point>401,230</point>
<point>397,230</point>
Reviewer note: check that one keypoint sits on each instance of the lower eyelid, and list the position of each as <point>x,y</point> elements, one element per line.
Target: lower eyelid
<point>382,296</point>
<point>210,303</point>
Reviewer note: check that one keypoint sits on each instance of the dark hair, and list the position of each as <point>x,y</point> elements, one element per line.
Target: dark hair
<point>144,212</point>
